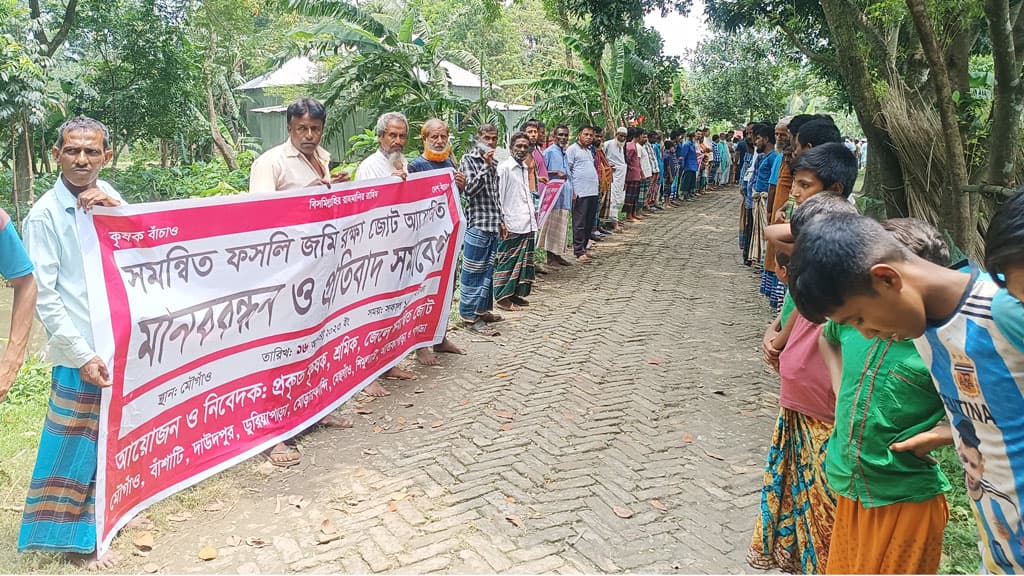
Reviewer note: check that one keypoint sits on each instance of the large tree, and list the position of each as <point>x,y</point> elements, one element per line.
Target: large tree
<point>905,65</point>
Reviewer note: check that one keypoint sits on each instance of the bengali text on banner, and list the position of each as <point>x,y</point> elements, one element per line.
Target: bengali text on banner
<point>233,323</point>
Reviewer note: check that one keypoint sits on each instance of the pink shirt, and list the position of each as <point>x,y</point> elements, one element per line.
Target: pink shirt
<point>806,386</point>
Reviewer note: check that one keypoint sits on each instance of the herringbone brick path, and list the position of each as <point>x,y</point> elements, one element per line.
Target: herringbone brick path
<point>632,385</point>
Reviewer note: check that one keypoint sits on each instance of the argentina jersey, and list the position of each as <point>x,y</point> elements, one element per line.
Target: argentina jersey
<point>978,368</point>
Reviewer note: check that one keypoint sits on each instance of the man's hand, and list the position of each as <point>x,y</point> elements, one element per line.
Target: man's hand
<point>922,444</point>
<point>542,180</point>
<point>95,372</point>
<point>95,197</point>
<point>503,234</point>
<point>341,176</point>
<point>489,158</point>
<point>401,174</point>
<point>780,217</point>
<point>460,179</point>
<point>8,372</point>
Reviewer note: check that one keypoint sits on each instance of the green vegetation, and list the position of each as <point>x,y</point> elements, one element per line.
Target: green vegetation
<point>960,542</point>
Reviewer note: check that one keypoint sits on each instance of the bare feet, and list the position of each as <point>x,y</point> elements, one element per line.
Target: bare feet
<point>284,455</point>
<point>397,373</point>
<point>448,347</point>
<point>336,422</point>
<point>140,522</point>
<point>426,357</point>
<point>375,389</point>
<point>91,563</point>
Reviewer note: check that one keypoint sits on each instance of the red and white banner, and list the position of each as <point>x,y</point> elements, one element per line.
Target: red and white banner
<point>232,323</point>
<point>548,200</point>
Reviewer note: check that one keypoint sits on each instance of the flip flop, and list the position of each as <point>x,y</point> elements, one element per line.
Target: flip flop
<point>489,317</point>
<point>508,307</point>
<point>480,327</point>
<point>281,450</point>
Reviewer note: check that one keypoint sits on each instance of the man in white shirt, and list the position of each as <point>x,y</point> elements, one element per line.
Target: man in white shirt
<point>389,159</point>
<point>59,509</point>
<point>646,155</point>
<point>300,162</point>
<point>514,269</point>
<point>615,150</point>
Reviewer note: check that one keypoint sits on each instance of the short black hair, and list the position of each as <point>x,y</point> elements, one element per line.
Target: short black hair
<point>714,138</point>
<point>561,127</point>
<point>765,131</point>
<point>818,132</point>
<point>531,123</point>
<point>832,164</point>
<point>669,144</point>
<point>1004,241</point>
<point>798,121</point>
<point>968,436</point>
<point>517,136</point>
<point>921,237</point>
<point>584,127</point>
<point>782,259</point>
<point>304,106</point>
<point>824,204</point>
<point>82,123</point>
<point>832,260</point>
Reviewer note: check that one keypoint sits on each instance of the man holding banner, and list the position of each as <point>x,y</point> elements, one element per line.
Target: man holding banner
<point>555,226</point>
<point>437,151</point>
<point>59,511</point>
<point>300,162</point>
<point>484,229</point>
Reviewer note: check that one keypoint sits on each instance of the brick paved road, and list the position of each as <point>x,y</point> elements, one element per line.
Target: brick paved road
<point>633,379</point>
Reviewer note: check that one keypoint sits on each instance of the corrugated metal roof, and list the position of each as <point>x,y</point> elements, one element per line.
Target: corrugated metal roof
<point>301,70</point>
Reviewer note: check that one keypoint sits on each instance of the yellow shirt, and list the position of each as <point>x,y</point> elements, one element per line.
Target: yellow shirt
<point>284,167</point>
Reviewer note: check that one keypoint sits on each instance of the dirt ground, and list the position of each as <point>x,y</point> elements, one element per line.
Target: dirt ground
<point>619,424</point>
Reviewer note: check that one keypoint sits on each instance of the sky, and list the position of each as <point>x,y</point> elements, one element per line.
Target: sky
<point>680,32</point>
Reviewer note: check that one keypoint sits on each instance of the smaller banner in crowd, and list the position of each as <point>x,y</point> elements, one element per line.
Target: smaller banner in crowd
<point>548,200</point>
<point>233,323</point>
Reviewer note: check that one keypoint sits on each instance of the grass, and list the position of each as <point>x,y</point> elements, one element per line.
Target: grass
<point>22,415</point>
<point>960,541</point>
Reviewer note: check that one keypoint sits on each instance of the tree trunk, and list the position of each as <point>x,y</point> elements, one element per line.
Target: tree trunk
<point>959,203</point>
<point>23,174</point>
<point>211,109</point>
<point>218,140</point>
<point>1007,97</point>
<point>163,153</point>
<point>884,179</point>
<point>606,108</point>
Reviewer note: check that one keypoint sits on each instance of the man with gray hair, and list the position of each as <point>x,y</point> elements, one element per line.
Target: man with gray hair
<point>392,133</point>
<point>388,160</point>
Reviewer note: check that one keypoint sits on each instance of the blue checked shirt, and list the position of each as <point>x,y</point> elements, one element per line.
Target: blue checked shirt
<point>483,208</point>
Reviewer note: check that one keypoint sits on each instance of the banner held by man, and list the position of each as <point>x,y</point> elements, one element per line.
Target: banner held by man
<point>234,323</point>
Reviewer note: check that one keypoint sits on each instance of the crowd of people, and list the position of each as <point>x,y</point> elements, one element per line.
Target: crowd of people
<point>885,350</point>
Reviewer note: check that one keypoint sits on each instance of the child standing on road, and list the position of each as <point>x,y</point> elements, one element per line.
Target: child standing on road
<point>850,269</point>
<point>891,510</point>
<point>794,527</point>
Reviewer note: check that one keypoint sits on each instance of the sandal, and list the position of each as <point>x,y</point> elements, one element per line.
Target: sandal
<point>287,456</point>
<point>480,327</point>
<point>508,307</point>
<point>490,317</point>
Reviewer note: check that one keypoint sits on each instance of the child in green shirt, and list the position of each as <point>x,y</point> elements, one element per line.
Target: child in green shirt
<point>891,510</point>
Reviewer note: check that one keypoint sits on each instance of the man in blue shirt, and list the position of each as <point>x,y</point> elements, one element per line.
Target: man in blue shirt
<point>556,227</point>
<point>585,189</point>
<point>764,143</point>
<point>688,164</point>
<point>16,268</point>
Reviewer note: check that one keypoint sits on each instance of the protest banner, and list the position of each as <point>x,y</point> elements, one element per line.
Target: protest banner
<point>232,323</point>
<point>548,200</point>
